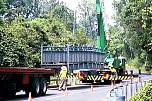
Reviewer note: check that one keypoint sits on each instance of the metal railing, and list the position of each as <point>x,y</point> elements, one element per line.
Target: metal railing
<point>125,91</point>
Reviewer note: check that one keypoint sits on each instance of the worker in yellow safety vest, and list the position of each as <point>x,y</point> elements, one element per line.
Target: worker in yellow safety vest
<point>113,74</point>
<point>113,70</point>
<point>63,78</point>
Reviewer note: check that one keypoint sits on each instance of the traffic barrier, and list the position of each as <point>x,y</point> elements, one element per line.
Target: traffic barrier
<point>30,97</point>
<point>94,78</point>
<point>122,78</point>
<point>91,77</point>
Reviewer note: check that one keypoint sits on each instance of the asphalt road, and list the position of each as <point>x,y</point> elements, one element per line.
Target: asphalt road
<point>84,92</point>
<point>79,93</point>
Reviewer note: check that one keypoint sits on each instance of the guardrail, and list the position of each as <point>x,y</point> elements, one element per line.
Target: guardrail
<point>124,92</point>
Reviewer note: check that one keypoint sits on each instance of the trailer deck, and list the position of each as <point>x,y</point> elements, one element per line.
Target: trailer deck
<point>26,70</point>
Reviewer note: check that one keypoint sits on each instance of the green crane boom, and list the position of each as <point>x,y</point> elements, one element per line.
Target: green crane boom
<point>117,63</point>
<point>101,40</point>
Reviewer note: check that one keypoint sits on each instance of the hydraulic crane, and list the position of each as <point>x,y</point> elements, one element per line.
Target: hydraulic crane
<point>117,62</point>
<point>101,39</point>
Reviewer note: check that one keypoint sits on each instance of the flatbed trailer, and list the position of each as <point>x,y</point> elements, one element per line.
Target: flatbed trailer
<point>34,80</point>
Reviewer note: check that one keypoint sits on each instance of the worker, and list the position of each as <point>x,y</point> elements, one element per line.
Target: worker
<point>63,78</point>
<point>113,74</point>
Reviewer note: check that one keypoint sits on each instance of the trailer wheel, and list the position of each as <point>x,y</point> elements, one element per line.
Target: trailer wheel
<point>35,87</point>
<point>43,86</point>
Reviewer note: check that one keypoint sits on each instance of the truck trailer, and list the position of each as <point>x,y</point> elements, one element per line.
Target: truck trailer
<point>14,79</point>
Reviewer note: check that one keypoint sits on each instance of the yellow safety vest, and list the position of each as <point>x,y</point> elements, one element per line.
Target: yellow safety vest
<point>63,73</point>
<point>113,70</point>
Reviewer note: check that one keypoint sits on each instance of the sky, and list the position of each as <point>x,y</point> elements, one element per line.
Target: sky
<point>109,11</point>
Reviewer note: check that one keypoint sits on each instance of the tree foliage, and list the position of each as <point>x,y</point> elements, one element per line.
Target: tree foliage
<point>88,18</point>
<point>134,18</point>
<point>2,11</point>
<point>26,27</point>
<point>12,51</point>
<point>64,14</point>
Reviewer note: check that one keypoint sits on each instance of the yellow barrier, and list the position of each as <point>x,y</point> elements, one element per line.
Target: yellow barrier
<point>94,78</point>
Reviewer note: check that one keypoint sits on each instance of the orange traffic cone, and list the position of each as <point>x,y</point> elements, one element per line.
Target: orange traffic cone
<point>30,97</point>
<point>66,92</point>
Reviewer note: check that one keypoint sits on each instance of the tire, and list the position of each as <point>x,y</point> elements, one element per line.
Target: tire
<point>43,86</point>
<point>35,87</point>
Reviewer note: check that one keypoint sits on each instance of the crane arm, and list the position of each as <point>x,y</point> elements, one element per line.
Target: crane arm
<point>101,40</point>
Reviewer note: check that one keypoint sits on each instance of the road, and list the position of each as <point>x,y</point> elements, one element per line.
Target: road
<point>81,93</point>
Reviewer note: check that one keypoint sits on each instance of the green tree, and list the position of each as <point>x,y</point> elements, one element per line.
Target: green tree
<point>34,33</point>
<point>134,18</point>
<point>2,11</point>
<point>12,52</point>
<point>64,14</point>
<point>88,18</point>
<point>22,37</point>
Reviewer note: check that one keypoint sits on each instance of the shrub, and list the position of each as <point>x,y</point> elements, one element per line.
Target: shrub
<point>145,93</point>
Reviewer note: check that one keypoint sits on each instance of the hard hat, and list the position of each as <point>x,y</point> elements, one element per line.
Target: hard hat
<point>64,68</point>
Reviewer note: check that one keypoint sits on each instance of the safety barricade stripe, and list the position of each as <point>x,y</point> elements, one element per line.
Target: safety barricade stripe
<point>126,78</point>
<point>120,78</point>
<point>90,78</point>
<point>109,78</point>
<point>99,78</point>
<point>94,78</point>
<point>116,78</point>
